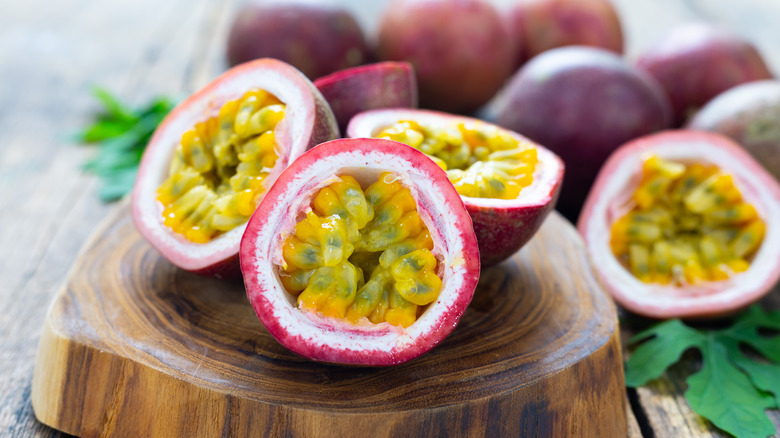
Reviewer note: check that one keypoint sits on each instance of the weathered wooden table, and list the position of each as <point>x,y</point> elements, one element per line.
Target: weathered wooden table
<point>50,55</point>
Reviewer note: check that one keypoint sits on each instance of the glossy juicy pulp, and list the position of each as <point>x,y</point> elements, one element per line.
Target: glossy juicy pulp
<point>481,161</point>
<point>218,170</point>
<point>362,254</point>
<point>689,225</point>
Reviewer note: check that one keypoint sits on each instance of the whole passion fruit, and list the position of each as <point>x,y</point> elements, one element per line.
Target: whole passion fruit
<point>460,49</point>
<point>684,224</point>
<point>541,25</point>
<point>582,103</point>
<point>212,159</point>
<point>317,37</point>
<point>750,115</point>
<point>362,253</point>
<point>697,61</point>
<point>373,86</point>
<point>507,183</point>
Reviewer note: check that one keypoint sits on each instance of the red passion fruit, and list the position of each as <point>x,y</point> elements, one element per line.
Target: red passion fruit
<point>697,61</point>
<point>212,159</point>
<point>507,183</point>
<point>750,115</point>
<point>373,86</point>
<point>581,103</point>
<point>460,49</point>
<point>361,253</point>
<point>541,25</point>
<point>684,224</point>
<point>316,37</point>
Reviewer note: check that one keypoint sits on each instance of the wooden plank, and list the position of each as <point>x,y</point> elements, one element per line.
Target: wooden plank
<point>51,53</point>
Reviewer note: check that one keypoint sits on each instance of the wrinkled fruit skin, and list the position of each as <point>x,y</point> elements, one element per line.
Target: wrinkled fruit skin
<point>619,177</point>
<point>380,85</point>
<point>750,115</point>
<point>502,227</point>
<point>696,62</point>
<point>333,340</point>
<point>460,50</point>
<point>581,103</point>
<point>313,123</point>
<point>542,25</point>
<point>318,39</point>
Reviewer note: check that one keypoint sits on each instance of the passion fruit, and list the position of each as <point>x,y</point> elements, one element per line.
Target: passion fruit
<point>507,183</point>
<point>460,49</point>
<point>362,253</point>
<point>697,61</point>
<point>750,115</point>
<point>212,159</point>
<point>373,86</point>
<point>683,224</point>
<point>541,25</point>
<point>582,103</point>
<point>316,37</point>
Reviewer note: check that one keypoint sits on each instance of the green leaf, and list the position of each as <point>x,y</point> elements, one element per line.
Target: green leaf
<point>765,376</point>
<point>113,107</point>
<point>122,135</point>
<point>725,395</point>
<point>654,356</point>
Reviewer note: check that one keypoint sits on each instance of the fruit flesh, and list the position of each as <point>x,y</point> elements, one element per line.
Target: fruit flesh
<point>481,161</point>
<point>362,254</point>
<point>217,172</point>
<point>689,225</point>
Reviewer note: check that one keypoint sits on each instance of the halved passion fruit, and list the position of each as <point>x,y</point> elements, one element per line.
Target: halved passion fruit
<point>507,183</point>
<point>381,85</point>
<point>684,224</point>
<point>212,159</point>
<point>361,253</point>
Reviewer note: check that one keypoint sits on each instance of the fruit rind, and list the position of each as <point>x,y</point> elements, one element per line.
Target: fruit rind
<point>615,183</point>
<point>309,121</point>
<point>502,226</point>
<point>332,340</point>
<point>381,85</point>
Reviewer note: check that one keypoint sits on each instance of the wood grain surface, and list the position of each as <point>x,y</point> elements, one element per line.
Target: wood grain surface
<point>137,347</point>
<point>51,53</point>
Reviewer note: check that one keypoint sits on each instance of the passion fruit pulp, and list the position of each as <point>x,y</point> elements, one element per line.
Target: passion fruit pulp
<point>679,225</point>
<point>212,159</point>
<point>362,253</point>
<point>507,183</point>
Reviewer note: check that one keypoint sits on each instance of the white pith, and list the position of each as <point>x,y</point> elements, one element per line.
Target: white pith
<point>369,123</point>
<point>295,199</point>
<point>293,131</point>
<point>611,204</point>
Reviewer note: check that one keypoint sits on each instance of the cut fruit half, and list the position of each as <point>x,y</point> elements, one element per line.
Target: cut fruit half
<point>683,224</point>
<point>212,159</point>
<point>362,253</point>
<point>507,183</point>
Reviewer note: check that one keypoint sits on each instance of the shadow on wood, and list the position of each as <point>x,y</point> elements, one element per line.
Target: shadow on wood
<point>135,346</point>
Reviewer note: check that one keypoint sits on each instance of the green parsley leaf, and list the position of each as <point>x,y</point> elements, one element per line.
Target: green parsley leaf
<point>650,360</point>
<point>122,134</point>
<point>723,394</point>
<point>731,389</point>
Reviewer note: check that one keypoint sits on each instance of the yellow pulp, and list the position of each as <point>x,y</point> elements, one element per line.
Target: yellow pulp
<point>690,225</point>
<point>362,254</point>
<point>217,171</point>
<point>481,161</point>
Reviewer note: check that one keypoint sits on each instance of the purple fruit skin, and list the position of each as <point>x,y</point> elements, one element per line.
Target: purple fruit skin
<point>317,39</point>
<point>750,115</point>
<point>581,103</point>
<point>697,61</point>
<point>374,86</point>
<point>461,50</point>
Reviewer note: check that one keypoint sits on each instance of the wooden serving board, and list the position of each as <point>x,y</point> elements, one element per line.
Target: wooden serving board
<point>133,346</point>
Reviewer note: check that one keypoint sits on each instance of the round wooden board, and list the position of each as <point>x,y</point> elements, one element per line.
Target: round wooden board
<point>137,347</point>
